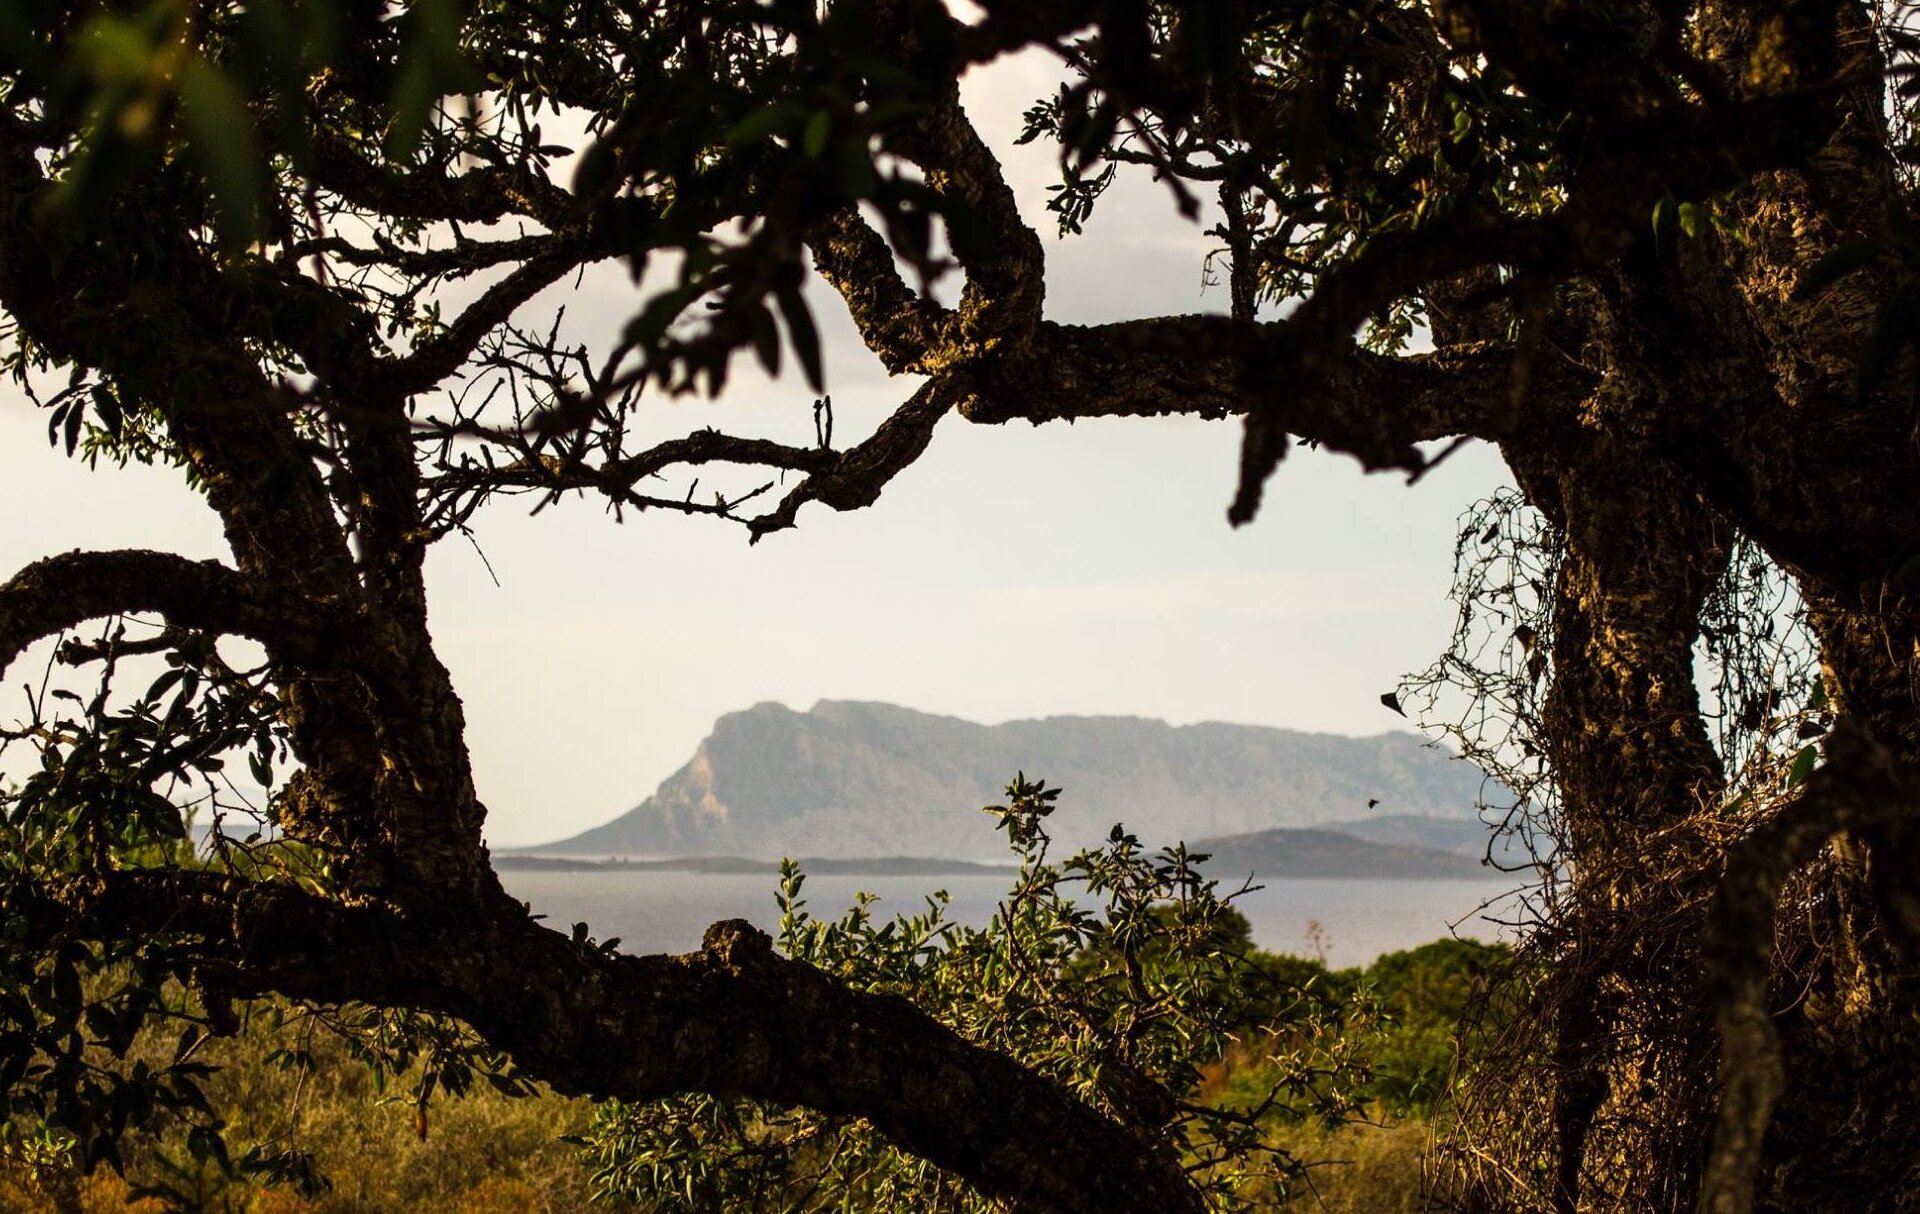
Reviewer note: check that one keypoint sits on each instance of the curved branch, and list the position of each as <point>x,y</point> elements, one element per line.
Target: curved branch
<point>856,476</point>
<point>1002,257</point>
<point>733,1019</point>
<point>556,474</point>
<point>1006,268</point>
<point>897,323</point>
<point>845,480</point>
<point>58,592</point>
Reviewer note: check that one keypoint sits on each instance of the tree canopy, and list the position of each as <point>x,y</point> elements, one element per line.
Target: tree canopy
<point>1660,253</point>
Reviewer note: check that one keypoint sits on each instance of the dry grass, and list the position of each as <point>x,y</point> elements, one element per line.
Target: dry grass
<point>482,1154</point>
<point>1360,1169</point>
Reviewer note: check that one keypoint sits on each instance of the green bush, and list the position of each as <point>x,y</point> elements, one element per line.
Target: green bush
<point>1117,971</point>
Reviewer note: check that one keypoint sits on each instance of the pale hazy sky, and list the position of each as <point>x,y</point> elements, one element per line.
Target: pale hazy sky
<point>1013,572</point>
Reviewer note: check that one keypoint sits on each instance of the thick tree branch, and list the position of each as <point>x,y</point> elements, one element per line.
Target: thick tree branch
<point>59,592</point>
<point>898,324</point>
<point>1212,366</point>
<point>734,1019</point>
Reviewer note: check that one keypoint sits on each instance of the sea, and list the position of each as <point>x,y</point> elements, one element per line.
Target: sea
<point>1345,922</point>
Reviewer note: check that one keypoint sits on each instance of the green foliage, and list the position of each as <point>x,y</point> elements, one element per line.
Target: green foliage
<point>1404,1014</point>
<point>1123,974</point>
<point>113,771</point>
<point>1425,995</point>
<point>145,1081</point>
<point>342,1137</point>
<point>99,1041</point>
<point>773,115</point>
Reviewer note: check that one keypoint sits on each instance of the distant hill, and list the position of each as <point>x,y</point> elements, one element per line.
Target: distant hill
<point>1465,836</point>
<point>813,866</point>
<point>1272,854</point>
<point>851,779</point>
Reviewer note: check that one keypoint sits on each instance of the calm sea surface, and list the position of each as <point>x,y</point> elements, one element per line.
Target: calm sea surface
<point>1356,920</point>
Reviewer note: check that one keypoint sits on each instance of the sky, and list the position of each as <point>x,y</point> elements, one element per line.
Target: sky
<point>1012,572</point>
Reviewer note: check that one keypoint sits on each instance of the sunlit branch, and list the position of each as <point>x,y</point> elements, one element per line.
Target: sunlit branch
<point>1005,267</point>
<point>898,324</point>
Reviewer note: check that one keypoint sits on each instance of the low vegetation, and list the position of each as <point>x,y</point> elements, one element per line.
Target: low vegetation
<point>487,1153</point>
<point>1123,973</point>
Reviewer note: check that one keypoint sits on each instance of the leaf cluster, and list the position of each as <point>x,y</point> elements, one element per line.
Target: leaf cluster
<point>1119,971</point>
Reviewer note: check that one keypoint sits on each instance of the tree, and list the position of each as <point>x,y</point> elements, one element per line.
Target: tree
<point>1663,256</point>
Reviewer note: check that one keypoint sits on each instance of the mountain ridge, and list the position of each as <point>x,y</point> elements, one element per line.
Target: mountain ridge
<point>1264,855</point>
<point>851,778</point>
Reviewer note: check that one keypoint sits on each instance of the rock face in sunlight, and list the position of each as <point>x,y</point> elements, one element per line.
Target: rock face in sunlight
<point>865,779</point>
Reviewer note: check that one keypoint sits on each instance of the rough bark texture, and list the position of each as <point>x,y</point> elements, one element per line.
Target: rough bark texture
<point>1634,766</point>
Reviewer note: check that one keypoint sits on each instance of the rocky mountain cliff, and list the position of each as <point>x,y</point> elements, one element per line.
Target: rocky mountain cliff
<point>850,779</point>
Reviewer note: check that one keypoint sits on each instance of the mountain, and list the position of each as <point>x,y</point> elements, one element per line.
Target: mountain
<point>849,779</point>
<point>813,866</point>
<point>1272,854</point>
